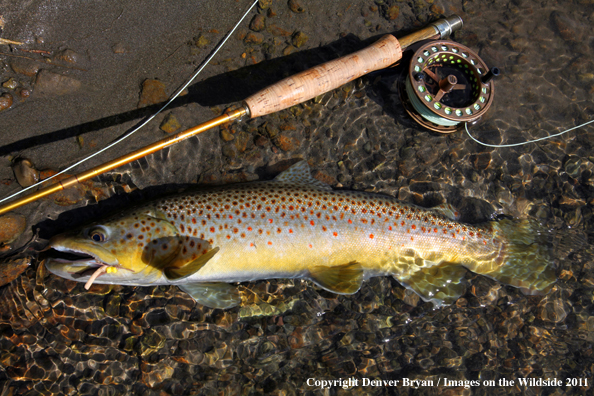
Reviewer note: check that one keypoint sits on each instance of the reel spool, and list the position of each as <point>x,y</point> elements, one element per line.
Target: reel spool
<point>447,86</point>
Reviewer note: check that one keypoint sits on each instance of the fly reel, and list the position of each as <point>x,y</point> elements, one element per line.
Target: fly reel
<point>447,86</point>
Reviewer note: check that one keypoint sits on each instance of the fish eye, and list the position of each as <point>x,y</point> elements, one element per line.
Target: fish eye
<point>98,235</point>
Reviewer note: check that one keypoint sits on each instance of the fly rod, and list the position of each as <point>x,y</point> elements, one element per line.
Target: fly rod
<point>281,95</point>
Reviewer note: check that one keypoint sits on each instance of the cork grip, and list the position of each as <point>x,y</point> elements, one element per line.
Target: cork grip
<point>325,77</point>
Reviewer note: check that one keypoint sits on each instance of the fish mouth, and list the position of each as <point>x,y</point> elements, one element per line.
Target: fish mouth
<point>78,265</point>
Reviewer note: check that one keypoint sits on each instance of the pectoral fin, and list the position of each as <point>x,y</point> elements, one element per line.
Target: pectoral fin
<point>189,268</point>
<point>213,295</point>
<point>342,279</point>
<point>438,283</point>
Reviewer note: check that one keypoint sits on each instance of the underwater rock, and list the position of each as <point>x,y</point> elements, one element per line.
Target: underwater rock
<point>258,23</point>
<point>50,83</point>
<point>295,6</point>
<point>12,269</point>
<point>392,12</point>
<point>201,41</point>
<point>25,172</point>
<point>11,227</point>
<point>25,67</point>
<point>153,92</point>
<point>299,39</point>
<point>253,38</point>
<point>5,101</point>
<point>68,56</point>
<point>11,83</point>
<point>565,26</point>
<point>278,31</point>
<point>170,124</point>
<point>264,4</point>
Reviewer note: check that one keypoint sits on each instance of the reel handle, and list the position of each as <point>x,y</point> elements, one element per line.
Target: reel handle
<point>330,75</point>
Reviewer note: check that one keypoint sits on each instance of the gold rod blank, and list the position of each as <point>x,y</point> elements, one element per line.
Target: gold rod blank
<point>126,159</point>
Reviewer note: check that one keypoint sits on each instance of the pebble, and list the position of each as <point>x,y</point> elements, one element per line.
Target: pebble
<point>5,101</point>
<point>12,269</point>
<point>201,41</point>
<point>50,83</point>
<point>392,12</point>
<point>11,83</point>
<point>226,134</point>
<point>264,4</point>
<point>68,56</point>
<point>277,31</point>
<point>25,172</point>
<point>295,6</point>
<point>286,143</point>
<point>119,48</point>
<point>258,23</point>
<point>24,93</point>
<point>253,38</point>
<point>299,39</point>
<point>170,124</point>
<point>11,227</point>
<point>153,91</point>
<point>564,26</point>
<point>25,67</point>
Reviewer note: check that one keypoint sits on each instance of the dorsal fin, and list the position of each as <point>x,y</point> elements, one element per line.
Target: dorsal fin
<point>300,174</point>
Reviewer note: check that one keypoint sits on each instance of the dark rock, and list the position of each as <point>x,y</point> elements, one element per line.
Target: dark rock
<point>299,39</point>
<point>50,83</point>
<point>253,38</point>
<point>23,66</point>
<point>258,23</point>
<point>295,6</point>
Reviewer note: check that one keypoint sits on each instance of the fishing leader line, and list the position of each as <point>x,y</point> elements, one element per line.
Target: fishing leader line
<point>526,142</point>
<point>126,136</point>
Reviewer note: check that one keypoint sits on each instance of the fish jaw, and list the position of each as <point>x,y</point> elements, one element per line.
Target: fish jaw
<point>131,249</point>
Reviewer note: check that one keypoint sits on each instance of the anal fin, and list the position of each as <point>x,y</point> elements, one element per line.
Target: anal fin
<point>441,284</point>
<point>175,272</point>
<point>213,295</point>
<point>342,279</point>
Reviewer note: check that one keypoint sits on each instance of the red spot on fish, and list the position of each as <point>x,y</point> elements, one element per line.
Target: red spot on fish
<point>290,231</point>
<point>193,220</point>
<point>414,227</point>
<point>402,223</point>
<point>270,243</point>
<point>310,246</point>
<point>371,236</point>
<point>335,233</point>
<point>212,229</point>
<point>249,228</point>
<point>350,221</point>
<point>270,221</point>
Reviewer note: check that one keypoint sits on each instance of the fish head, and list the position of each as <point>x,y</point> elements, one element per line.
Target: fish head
<point>131,249</point>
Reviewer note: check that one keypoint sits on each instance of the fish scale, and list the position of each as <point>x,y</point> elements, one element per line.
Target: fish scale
<point>289,226</point>
<point>298,227</point>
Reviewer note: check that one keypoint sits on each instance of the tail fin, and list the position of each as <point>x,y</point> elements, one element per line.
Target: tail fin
<point>526,260</point>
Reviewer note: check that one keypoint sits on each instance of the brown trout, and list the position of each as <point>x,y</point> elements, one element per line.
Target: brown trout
<point>298,227</point>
